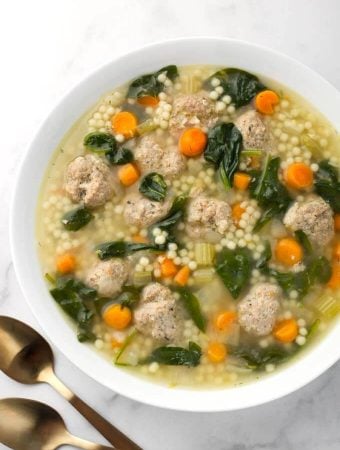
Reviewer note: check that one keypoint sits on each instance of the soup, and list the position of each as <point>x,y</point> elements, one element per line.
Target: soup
<point>189,226</point>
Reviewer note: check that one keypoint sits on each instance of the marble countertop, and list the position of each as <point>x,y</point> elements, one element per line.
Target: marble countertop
<point>46,47</point>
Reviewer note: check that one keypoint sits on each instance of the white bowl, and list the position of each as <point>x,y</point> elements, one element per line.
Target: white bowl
<point>23,219</point>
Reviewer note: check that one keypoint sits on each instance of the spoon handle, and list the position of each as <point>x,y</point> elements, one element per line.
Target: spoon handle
<point>86,445</point>
<point>109,431</point>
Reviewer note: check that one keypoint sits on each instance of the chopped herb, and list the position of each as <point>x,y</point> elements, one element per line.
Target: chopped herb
<point>192,306</point>
<point>176,356</point>
<point>153,186</point>
<point>242,86</point>
<point>77,218</point>
<point>224,150</point>
<point>234,268</point>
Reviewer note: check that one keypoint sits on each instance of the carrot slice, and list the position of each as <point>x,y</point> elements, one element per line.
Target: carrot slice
<point>192,142</point>
<point>337,222</point>
<point>182,276</point>
<point>216,352</point>
<point>124,123</point>
<point>241,181</point>
<point>168,268</point>
<point>336,252</point>
<point>288,251</point>
<point>224,320</point>
<point>237,211</point>
<point>117,316</point>
<point>286,330</point>
<point>128,174</point>
<point>66,263</point>
<point>148,100</point>
<point>299,176</point>
<point>334,282</point>
<point>265,101</point>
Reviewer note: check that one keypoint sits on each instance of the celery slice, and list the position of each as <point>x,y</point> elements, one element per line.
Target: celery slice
<point>146,127</point>
<point>327,305</point>
<point>204,253</point>
<point>142,278</point>
<point>203,276</point>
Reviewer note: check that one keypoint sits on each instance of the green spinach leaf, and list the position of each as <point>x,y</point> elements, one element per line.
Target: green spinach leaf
<point>119,156</point>
<point>304,241</point>
<point>192,306</point>
<point>269,192</point>
<point>77,218</point>
<point>169,222</point>
<point>224,150</point>
<point>327,184</point>
<point>265,256</point>
<point>257,358</point>
<point>153,186</point>
<point>234,268</point>
<point>149,85</point>
<point>100,142</point>
<point>242,86</point>
<point>119,249</point>
<point>71,294</point>
<point>177,356</point>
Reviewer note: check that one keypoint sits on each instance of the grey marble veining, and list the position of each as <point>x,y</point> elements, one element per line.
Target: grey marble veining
<point>49,46</point>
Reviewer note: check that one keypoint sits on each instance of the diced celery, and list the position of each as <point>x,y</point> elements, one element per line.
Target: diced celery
<point>310,143</point>
<point>146,127</point>
<point>327,305</point>
<point>248,152</point>
<point>204,253</point>
<point>142,278</point>
<point>203,276</point>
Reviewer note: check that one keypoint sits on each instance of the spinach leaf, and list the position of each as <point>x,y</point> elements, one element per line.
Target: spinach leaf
<point>126,343</point>
<point>327,184</point>
<point>257,358</point>
<point>129,296</point>
<point>265,256</point>
<point>77,218</point>
<point>169,222</point>
<point>153,187</point>
<point>234,268</point>
<point>271,195</point>
<point>192,305</point>
<point>304,241</point>
<point>149,85</point>
<point>177,356</point>
<point>100,142</point>
<point>242,86</point>
<point>106,143</point>
<point>119,249</point>
<point>224,150</point>
<point>71,295</point>
<point>319,270</point>
<point>119,156</point>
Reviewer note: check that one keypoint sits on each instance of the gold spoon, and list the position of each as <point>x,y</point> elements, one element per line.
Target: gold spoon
<point>29,425</point>
<point>26,357</point>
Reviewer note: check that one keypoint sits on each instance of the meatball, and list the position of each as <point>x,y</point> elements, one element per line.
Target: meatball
<point>314,217</point>
<point>108,277</point>
<point>191,110</point>
<point>257,311</point>
<point>253,129</point>
<point>88,180</point>
<point>151,157</point>
<point>142,212</point>
<point>156,315</point>
<point>206,215</point>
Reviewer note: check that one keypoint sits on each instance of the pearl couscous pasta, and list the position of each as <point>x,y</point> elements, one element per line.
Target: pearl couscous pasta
<point>189,226</point>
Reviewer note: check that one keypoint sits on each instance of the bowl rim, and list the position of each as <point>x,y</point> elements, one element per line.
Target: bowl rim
<point>268,388</point>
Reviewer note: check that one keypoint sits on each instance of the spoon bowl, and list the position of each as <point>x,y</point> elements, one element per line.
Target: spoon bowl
<point>30,425</point>
<point>26,357</point>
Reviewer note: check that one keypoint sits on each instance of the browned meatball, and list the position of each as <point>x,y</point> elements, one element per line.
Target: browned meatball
<point>254,131</point>
<point>206,215</point>
<point>191,110</point>
<point>152,157</point>
<point>314,217</point>
<point>156,315</point>
<point>108,277</point>
<point>142,212</point>
<point>258,310</point>
<point>88,180</point>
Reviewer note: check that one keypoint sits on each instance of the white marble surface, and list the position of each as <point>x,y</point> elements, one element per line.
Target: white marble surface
<point>48,46</point>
